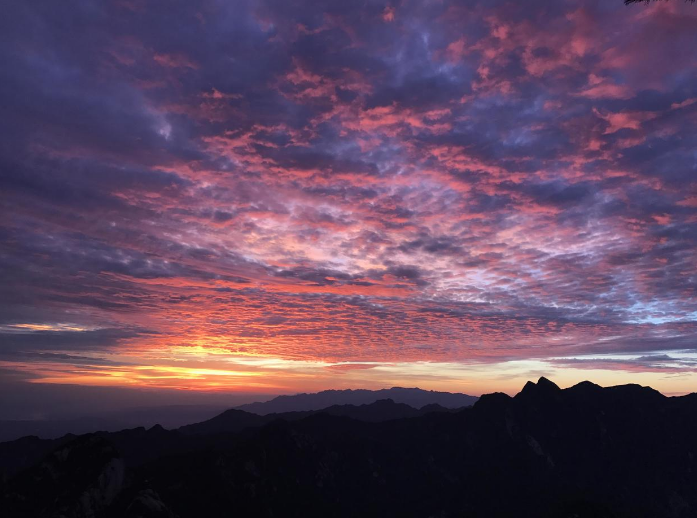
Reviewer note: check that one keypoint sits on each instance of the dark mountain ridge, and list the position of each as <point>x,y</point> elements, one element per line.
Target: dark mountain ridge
<point>176,416</point>
<point>585,451</point>
<point>52,427</point>
<point>235,420</point>
<point>414,397</point>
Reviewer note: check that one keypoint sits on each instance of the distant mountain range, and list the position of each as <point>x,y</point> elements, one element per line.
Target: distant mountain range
<point>236,420</point>
<point>414,397</point>
<point>175,416</point>
<point>583,452</point>
<point>169,416</point>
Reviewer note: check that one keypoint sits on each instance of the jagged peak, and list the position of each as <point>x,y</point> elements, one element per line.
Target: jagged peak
<point>529,385</point>
<point>492,400</point>
<point>544,382</point>
<point>542,387</point>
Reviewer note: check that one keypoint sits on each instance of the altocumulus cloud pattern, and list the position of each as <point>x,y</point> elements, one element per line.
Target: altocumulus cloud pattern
<point>211,194</point>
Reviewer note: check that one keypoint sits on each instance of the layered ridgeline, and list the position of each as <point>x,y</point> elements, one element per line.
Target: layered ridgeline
<point>625,451</point>
<point>414,397</point>
<point>175,416</point>
<point>235,420</point>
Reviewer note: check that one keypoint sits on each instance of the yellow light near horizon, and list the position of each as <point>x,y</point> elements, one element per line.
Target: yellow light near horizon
<point>192,373</point>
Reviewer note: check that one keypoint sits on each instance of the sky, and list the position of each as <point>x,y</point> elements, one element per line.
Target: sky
<point>290,195</point>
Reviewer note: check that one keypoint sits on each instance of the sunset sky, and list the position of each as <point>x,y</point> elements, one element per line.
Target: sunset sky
<point>281,196</point>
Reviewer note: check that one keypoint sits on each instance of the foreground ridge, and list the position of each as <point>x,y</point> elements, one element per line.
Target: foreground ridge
<point>584,451</point>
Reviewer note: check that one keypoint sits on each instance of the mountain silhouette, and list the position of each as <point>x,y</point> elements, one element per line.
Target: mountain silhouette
<point>235,420</point>
<point>585,451</point>
<point>232,420</point>
<point>55,426</point>
<point>414,397</point>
